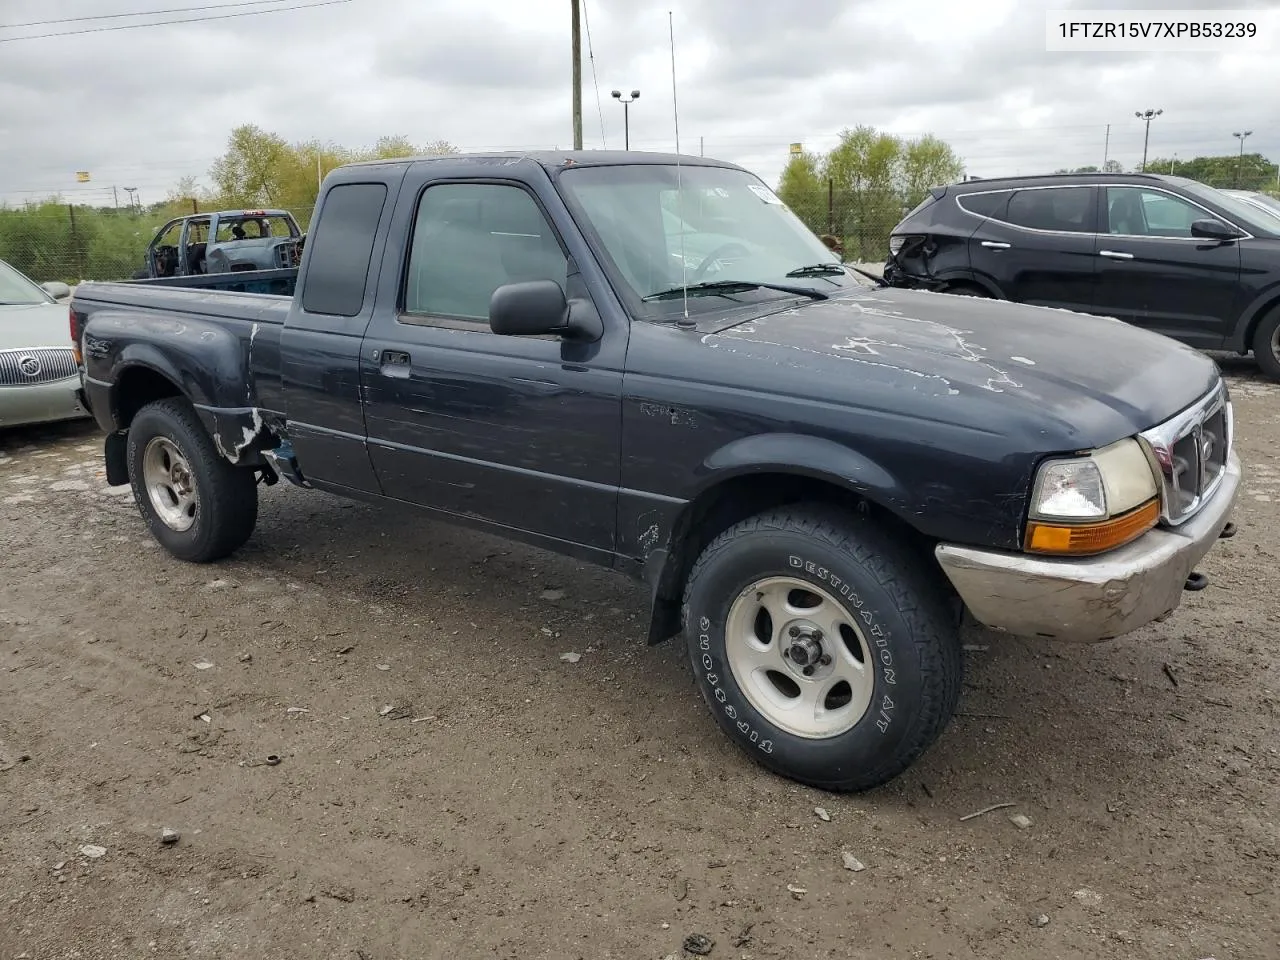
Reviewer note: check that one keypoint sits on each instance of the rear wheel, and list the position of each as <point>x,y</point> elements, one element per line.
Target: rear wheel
<point>1266,344</point>
<point>196,504</point>
<point>967,290</point>
<point>824,648</point>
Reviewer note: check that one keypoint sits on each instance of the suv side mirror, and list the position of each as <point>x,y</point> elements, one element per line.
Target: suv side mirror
<point>56,289</point>
<point>528,309</point>
<point>1209,229</point>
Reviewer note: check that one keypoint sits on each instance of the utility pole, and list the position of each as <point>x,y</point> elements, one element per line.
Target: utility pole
<point>1147,116</point>
<point>133,193</point>
<point>1106,149</point>
<point>115,198</point>
<point>574,6</point>
<point>1241,137</point>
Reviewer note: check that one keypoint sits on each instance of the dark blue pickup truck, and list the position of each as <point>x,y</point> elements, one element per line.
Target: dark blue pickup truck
<point>815,475</point>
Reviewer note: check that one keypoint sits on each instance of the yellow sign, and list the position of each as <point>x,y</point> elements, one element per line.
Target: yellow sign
<point>82,176</point>
<point>797,148</point>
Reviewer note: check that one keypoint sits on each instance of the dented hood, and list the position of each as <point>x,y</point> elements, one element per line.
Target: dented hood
<point>1057,377</point>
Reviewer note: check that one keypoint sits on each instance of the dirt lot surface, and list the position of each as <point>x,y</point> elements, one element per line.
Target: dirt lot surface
<point>512,804</point>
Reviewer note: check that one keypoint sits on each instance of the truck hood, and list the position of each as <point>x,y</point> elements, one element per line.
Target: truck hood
<point>27,325</point>
<point>1069,380</point>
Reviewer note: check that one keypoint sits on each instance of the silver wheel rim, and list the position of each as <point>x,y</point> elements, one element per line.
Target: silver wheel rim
<point>1275,342</point>
<point>799,658</point>
<point>170,486</point>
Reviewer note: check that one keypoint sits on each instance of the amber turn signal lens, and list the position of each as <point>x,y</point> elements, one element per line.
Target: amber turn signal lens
<point>1082,539</point>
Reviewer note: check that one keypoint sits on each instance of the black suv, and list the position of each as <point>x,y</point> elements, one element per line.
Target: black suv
<point>1165,253</point>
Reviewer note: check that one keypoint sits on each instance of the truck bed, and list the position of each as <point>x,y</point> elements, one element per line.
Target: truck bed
<point>229,341</point>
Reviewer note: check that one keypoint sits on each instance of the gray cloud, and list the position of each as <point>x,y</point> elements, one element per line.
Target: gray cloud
<point>146,107</point>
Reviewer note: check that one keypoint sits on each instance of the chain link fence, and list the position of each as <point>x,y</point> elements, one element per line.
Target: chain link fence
<point>74,243</point>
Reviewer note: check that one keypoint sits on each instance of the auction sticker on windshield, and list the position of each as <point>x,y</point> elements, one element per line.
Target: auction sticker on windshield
<point>764,193</point>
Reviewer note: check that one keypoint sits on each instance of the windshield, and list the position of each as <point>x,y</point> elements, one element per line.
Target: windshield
<point>1244,213</point>
<point>703,225</point>
<point>17,289</point>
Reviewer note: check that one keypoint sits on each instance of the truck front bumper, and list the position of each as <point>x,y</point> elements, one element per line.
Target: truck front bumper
<point>1094,598</point>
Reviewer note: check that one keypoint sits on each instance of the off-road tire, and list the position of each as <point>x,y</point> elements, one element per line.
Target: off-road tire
<point>1266,344</point>
<point>226,495</point>
<point>901,607</point>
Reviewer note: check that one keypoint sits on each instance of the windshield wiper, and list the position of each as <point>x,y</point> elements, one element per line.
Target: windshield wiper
<point>724,287</point>
<point>817,270</point>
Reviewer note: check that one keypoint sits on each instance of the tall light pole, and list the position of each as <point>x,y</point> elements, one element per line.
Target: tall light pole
<point>1241,137</point>
<point>1146,115</point>
<point>626,114</point>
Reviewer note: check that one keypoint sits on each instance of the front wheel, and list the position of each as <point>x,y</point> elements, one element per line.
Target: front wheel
<point>1266,344</point>
<point>197,505</point>
<point>823,647</point>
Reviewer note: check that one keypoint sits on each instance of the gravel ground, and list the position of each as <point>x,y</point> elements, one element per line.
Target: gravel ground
<point>511,804</point>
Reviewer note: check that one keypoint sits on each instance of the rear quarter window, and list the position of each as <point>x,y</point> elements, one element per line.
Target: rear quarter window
<point>341,248</point>
<point>985,204</point>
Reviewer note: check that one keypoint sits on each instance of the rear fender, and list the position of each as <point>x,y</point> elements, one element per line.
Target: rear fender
<point>206,363</point>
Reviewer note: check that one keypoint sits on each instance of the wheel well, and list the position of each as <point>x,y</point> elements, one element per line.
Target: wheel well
<point>967,285</point>
<point>137,387</point>
<point>1263,312</point>
<point>720,507</point>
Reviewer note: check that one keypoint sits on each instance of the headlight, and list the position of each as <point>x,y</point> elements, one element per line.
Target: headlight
<point>1091,504</point>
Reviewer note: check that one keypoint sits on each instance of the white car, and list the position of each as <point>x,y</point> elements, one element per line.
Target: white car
<point>38,372</point>
<point>1259,201</point>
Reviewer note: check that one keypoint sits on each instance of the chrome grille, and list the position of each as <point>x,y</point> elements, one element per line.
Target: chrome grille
<point>1190,452</point>
<point>22,368</point>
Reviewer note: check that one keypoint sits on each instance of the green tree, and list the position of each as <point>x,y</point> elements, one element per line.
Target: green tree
<point>803,188</point>
<point>1253,171</point>
<point>927,163</point>
<point>256,168</point>
<point>873,179</point>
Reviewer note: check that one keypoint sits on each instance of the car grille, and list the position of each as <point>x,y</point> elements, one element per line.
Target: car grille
<point>1191,452</point>
<point>22,368</point>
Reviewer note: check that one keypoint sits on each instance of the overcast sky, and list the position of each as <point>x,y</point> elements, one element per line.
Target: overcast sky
<point>144,107</point>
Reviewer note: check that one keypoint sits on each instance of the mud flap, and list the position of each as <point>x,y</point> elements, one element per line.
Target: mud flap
<point>115,454</point>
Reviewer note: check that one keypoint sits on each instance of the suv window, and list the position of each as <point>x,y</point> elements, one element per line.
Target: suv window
<point>1135,212</point>
<point>1066,209</point>
<point>985,204</point>
<point>471,238</point>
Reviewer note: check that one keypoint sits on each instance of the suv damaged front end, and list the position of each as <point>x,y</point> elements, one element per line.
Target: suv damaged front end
<point>1112,536</point>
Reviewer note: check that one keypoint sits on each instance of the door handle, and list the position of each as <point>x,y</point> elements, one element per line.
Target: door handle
<point>395,363</point>
<point>1115,254</point>
<point>995,244</point>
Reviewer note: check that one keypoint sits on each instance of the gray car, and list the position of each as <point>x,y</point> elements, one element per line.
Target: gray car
<point>38,371</point>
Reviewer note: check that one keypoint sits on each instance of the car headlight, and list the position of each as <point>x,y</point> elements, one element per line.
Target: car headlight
<point>1094,503</point>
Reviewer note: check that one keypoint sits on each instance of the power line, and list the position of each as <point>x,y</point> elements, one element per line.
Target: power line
<point>163,23</point>
<point>591,55</point>
<point>140,13</point>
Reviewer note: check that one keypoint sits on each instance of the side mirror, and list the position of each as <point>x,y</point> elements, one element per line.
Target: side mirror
<point>1209,229</point>
<point>529,309</point>
<point>56,289</point>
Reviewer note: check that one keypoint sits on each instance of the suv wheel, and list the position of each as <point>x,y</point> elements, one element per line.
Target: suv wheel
<point>1266,344</point>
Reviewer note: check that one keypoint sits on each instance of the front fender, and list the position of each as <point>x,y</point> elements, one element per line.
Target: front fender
<point>666,557</point>
<point>802,455</point>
